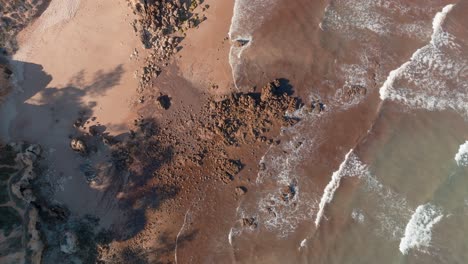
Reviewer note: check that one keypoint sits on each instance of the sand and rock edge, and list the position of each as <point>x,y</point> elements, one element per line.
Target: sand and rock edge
<point>177,162</point>
<point>173,161</point>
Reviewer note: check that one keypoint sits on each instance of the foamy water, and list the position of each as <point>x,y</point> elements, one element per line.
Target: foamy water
<point>418,231</point>
<point>380,219</point>
<point>434,78</point>
<point>349,17</point>
<point>462,155</point>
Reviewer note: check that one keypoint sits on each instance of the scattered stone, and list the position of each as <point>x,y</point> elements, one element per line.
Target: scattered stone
<point>159,25</point>
<point>226,169</point>
<point>78,122</point>
<point>355,90</point>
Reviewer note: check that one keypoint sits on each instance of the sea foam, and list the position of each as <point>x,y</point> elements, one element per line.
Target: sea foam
<point>435,76</point>
<point>418,231</point>
<point>462,155</point>
<point>350,17</point>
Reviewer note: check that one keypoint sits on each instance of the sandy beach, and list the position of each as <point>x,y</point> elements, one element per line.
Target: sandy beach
<point>233,131</point>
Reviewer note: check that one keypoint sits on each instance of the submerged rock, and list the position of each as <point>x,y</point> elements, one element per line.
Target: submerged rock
<point>249,222</point>
<point>69,242</point>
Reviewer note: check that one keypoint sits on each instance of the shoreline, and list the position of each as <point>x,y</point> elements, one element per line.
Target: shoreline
<point>179,132</point>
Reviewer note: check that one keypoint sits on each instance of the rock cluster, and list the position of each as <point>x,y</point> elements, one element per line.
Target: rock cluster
<point>78,145</point>
<point>161,25</point>
<point>19,215</point>
<point>226,169</point>
<point>246,117</point>
<point>5,75</point>
<point>14,16</point>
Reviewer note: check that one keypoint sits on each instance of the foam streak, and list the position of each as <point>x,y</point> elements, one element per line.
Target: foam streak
<point>331,188</point>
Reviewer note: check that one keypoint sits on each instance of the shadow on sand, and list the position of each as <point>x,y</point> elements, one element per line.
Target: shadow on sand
<point>47,116</point>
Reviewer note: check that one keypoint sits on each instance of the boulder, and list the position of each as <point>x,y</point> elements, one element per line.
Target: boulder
<point>78,145</point>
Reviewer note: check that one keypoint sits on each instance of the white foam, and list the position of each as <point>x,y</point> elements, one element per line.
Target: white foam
<point>358,216</point>
<point>462,155</point>
<point>434,78</point>
<point>180,232</point>
<point>418,231</point>
<point>351,166</point>
<point>386,206</point>
<point>273,212</point>
<point>230,235</point>
<point>303,243</point>
<point>349,16</point>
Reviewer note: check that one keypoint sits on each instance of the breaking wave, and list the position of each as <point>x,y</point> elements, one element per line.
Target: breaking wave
<point>432,79</point>
<point>351,166</point>
<point>418,231</point>
<point>462,155</point>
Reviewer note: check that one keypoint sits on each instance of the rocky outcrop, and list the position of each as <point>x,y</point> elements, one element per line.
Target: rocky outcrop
<point>19,162</point>
<point>161,26</point>
<point>14,16</point>
<point>246,117</point>
<point>5,75</point>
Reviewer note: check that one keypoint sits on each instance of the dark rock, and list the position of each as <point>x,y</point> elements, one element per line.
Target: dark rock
<point>249,222</point>
<point>164,101</point>
<point>241,190</point>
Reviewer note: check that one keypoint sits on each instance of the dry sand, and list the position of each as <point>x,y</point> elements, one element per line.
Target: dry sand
<point>75,57</point>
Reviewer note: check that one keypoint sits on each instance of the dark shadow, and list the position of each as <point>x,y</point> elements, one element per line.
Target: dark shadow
<point>136,157</point>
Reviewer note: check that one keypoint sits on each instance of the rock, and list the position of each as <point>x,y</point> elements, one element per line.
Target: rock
<point>240,42</point>
<point>88,171</point>
<point>78,123</point>
<point>79,145</point>
<point>241,190</point>
<point>68,243</point>
<point>249,222</point>
<point>164,101</point>
<point>34,149</point>
<point>288,193</point>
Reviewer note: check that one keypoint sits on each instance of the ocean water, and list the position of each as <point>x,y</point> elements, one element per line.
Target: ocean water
<point>380,177</point>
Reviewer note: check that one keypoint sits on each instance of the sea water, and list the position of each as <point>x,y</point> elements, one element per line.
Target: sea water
<point>379,178</point>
